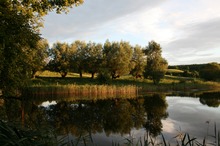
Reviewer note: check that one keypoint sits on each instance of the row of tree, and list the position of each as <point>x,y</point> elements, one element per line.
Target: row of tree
<point>112,59</point>
<point>23,51</point>
<point>209,72</point>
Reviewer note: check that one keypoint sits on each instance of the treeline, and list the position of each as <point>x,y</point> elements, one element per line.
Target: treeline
<point>108,60</point>
<point>210,71</point>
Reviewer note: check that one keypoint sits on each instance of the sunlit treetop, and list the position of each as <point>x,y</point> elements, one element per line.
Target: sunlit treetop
<point>33,10</point>
<point>41,7</point>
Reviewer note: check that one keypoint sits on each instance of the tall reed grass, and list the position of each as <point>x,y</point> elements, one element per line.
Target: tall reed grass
<point>74,90</point>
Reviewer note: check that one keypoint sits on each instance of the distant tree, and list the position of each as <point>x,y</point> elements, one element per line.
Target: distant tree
<point>187,73</point>
<point>118,57</point>
<point>93,58</point>
<point>153,50</point>
<point>38,56</point>
<point>78,59</point>
<point>210,72</point>
<point>61,54</point>
<point>138,62</point>
<point>156,65</point>
<point>195,74</point>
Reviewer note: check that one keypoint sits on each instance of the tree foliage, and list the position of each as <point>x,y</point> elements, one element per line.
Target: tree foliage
<point>61,54</point>
<point>210,72</point>
<point>93,58</point>
<point>78,59</point>
<point>16,38</point>
<point>20,21</point>
<point>156,65</point>
<point>38,56</point>
<point>138,62</point>
<point>118,57</point>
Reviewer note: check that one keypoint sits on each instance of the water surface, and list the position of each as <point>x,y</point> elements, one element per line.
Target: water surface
<point>118,120</point>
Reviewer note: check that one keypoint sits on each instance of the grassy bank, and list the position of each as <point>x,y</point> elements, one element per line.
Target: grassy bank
<point>49,82</point>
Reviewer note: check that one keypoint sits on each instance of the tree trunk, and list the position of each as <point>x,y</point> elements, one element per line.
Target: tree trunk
<point>80,74</point>
<point>63,74</point>
<point>33,74</point>
<point>93,74</point>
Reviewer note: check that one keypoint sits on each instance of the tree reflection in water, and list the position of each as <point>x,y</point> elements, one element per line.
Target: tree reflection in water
<point>86,117</point>
<point>210,99</point>
<point>156,109</point>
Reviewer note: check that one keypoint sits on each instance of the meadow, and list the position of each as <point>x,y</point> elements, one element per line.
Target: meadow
<point>51,82</point>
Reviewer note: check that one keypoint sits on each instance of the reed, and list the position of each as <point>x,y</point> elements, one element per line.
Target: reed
<point>12,134</point>
<point>74,90</point>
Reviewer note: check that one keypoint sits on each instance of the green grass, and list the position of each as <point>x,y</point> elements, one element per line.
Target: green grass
<point>174,71</point>
<point>169,84</point>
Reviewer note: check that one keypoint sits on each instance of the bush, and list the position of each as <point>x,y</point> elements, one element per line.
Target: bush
<point>104,77</point>
<point>211,72</point>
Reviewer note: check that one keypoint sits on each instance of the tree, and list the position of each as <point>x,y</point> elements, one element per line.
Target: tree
<point>153,50</point>
<point>38,56</point>
<point>210,72</point>
<point>78,59</point>
<point>139,62</point>
<point>61,54</point>
<point>20,21</point>
<point>94,57</point>
<point>156,65</point>
<point>16,38</point>
<point>118,57</point>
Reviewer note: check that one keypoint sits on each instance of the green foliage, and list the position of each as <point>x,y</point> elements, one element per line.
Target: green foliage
<point>15,135</point>
<point>93,58</point>
<point>17,36</point>
<point>156,65</point>
<point>210,72</point>
<point>138,62</point>
<point>38,56</point>
<point>20,22</point>
<point>78,59</point>
<point>61,53</point>
<point>104,76</point>
<point>117,56</point>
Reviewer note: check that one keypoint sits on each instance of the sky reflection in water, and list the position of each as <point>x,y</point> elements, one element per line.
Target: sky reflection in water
<point>189,115</point>
<point>113,120</point>
<point>186,114</point>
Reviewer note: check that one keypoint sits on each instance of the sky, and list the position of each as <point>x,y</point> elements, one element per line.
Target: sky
<point>188,31</point>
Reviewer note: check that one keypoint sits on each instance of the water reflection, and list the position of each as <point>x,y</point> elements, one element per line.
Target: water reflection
<point>117,116</point>
<point>89,117</point>
<point>210,99</point>
<point>156,109</point>
<point>111,116</point>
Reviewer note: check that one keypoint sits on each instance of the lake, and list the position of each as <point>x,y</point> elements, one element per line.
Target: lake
<point>114,121</point>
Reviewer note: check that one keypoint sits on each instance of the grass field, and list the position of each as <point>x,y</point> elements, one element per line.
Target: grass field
<point>169,84</point>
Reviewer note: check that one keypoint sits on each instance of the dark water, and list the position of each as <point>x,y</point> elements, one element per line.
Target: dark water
<point>113,121</point>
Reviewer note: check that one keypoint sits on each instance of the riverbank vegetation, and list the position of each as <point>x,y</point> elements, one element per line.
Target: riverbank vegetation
<point>51,82</point>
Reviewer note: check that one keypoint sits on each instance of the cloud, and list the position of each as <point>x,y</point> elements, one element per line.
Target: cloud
<point>200,38</point>
<point>92,17</point>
